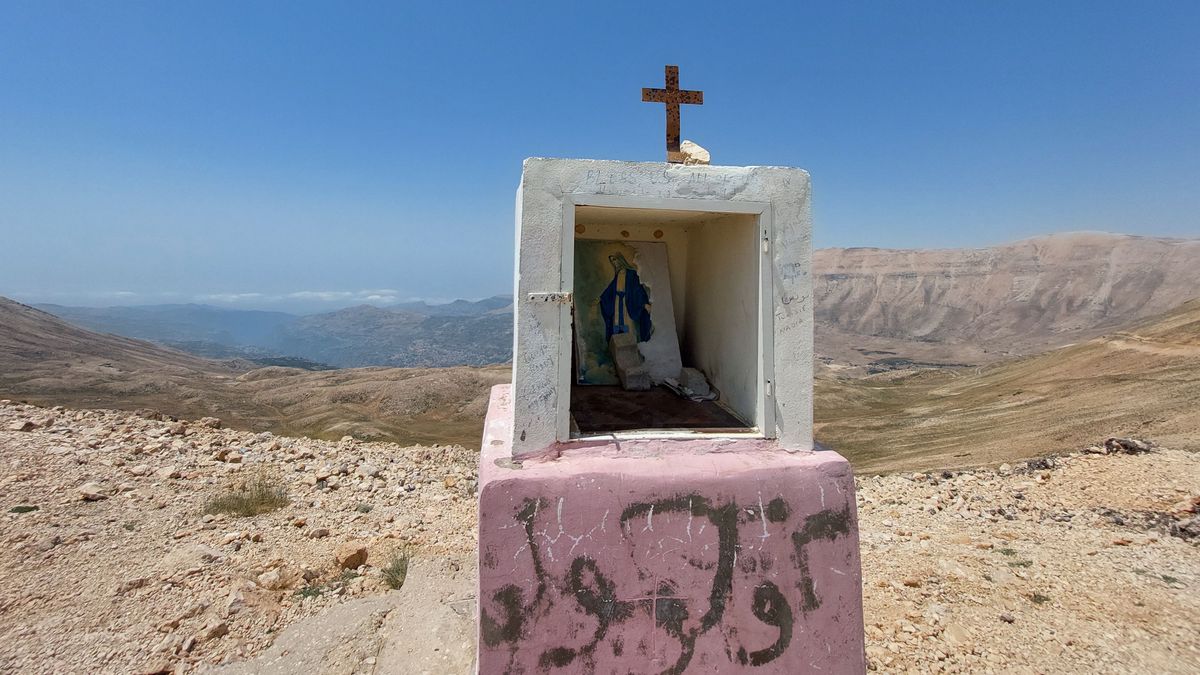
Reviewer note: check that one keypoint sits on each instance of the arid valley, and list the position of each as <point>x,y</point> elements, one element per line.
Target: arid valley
<point>926,359</point>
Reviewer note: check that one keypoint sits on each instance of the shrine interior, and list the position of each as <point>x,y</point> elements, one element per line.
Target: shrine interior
<point>715,287</point>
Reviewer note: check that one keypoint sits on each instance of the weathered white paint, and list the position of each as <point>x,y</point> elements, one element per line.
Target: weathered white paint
<point>661,351</point>
<point>721,327</point>
<point>775,198</point>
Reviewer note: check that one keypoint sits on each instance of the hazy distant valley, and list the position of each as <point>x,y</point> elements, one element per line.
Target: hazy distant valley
<point>409,335</point>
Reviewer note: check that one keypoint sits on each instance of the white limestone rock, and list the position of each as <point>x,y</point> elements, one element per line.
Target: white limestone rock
<point>91,492</point>
<point>694,154</point>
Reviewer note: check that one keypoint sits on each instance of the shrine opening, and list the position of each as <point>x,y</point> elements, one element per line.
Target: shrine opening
<point>668,323</point>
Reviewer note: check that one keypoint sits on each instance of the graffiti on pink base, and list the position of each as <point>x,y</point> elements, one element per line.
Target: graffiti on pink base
<point>711,564</point>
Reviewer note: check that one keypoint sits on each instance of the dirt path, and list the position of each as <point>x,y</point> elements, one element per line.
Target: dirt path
<point>1151,347</point>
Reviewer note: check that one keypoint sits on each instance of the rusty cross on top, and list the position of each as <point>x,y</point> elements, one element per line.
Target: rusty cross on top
<point>672,95</point>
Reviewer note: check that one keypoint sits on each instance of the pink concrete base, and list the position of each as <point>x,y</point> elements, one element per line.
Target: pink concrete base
<point>696,556</point>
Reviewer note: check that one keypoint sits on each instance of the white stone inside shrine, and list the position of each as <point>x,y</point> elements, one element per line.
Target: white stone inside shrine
<point>708,268</point>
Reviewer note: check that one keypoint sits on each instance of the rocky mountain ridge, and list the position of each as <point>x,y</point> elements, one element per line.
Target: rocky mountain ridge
<point>973,306</point>
<point>875,309</point>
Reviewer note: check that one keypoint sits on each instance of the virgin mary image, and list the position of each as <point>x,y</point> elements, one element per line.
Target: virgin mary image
<point>624,303</point>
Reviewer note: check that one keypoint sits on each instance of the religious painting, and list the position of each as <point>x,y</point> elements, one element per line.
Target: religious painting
<point>623,287</point>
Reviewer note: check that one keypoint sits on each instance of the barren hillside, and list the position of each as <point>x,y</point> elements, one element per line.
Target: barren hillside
<point>46,360</point>
<point>1144,381</point>
<point>43,358</point>
<point>980,305</point>
<point>32,336</point>
<point>408,405</point>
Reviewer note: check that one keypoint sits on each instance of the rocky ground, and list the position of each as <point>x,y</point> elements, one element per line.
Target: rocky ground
<point>110,563</point>
<point>1086,563</point>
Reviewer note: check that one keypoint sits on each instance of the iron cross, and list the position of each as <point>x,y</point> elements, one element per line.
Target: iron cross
<point>672,95</point>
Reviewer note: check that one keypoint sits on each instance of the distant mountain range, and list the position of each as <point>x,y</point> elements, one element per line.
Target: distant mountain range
<point>46,360</point>
<point>409,335</point>
<point>876,310</point>
<point>985,304</point>
<point>1139,381</point>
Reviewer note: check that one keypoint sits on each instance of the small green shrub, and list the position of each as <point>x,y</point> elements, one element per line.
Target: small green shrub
<point>1021,563</point>
<point>23,508</point>
<point>1169,579</point>
<point>312,591</point>
<point>1007,551</point>
<point>261,495</point>
<point>1038,598</point>
<point>396,571</point>
<point>315,590</point>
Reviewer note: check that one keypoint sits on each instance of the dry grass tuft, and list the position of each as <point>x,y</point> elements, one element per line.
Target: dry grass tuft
<point>262,494</point>
<point>396,571</point>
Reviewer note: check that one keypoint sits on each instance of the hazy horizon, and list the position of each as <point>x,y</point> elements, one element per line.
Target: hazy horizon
<point>301,302</point>
<point>324,156</point>
<point>315,302</point>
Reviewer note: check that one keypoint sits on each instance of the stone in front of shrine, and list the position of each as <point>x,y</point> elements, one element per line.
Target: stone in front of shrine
<point>690,526</point>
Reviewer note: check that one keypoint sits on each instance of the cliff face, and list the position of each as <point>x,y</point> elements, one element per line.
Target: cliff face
<point>1010,299</point>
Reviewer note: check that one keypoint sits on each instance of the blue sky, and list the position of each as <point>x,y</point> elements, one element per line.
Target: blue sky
<point>244,153</point>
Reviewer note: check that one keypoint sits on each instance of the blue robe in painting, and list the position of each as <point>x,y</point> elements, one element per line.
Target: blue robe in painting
<point>636,306</point>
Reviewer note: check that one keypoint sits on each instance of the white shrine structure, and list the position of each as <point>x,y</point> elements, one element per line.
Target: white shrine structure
<point>690,526</point>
